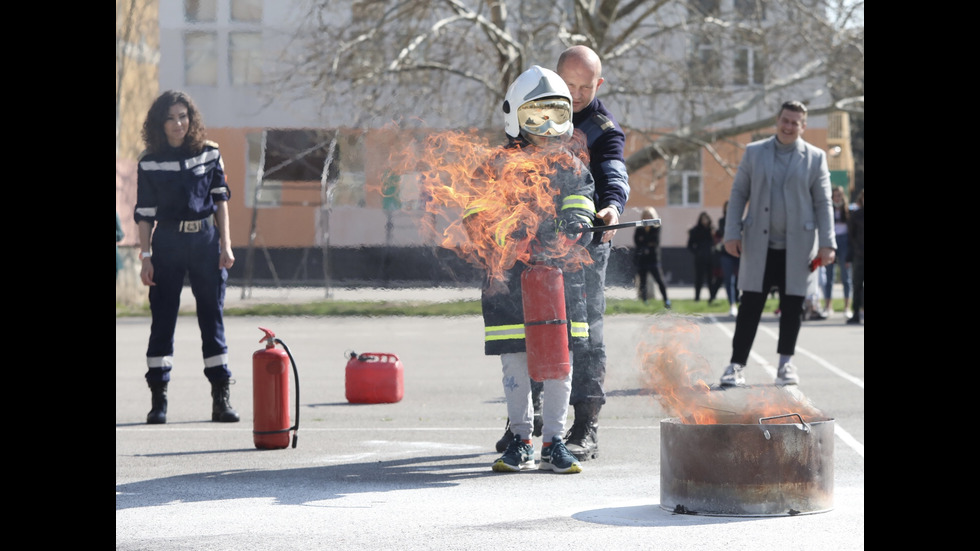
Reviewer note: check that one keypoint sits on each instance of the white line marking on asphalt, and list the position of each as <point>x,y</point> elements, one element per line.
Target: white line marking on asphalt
<point>836,370</point>
<point>838,430</point>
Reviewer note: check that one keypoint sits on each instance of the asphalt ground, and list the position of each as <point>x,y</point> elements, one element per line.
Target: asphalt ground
<point>416,474</point>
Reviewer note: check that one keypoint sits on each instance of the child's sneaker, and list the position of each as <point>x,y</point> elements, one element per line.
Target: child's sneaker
<point>556,457</point>
<point>519,456</point>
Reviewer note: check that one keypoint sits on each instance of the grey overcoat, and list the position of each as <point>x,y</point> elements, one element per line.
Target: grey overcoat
<point>809,213</point>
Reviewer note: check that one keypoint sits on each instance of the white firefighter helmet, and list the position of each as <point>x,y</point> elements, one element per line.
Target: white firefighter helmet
<point>538,103</point>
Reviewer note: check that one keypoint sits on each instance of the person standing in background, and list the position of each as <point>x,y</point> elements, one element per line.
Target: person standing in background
<point>855,251</point>
<point>841,215</point>
<point>646,253</point>
<point>119,237</point>
<point>783,187</point>
<point>729,265</point>
<point>182,213</point>
<point>701,243</point>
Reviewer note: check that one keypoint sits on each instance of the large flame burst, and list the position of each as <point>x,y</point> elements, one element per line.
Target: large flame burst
<point>677,376</point>
<point>510,187</point>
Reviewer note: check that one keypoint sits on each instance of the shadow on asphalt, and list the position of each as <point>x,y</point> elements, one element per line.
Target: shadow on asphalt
<point>302,486</point>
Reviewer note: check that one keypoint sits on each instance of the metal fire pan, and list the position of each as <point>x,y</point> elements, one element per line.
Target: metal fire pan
<point>765,469</point>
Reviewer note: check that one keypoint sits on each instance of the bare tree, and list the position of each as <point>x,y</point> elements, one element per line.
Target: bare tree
<point>686,73</point>
<point>137,57</point>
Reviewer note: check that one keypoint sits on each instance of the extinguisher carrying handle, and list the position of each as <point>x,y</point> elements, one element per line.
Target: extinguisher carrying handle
<point>295,426</point>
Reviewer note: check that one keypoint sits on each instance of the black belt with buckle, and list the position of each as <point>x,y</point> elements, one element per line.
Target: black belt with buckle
<point>191,226</point>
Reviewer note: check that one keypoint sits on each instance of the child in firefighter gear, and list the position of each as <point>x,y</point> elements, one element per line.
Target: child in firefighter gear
<point>537,120</point>
<point>581,69</point>
<point>182,213</point>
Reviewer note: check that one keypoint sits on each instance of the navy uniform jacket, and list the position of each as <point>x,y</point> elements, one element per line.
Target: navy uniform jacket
<point>503,312</point>
<point>175,185</point>
<point>605,140</point>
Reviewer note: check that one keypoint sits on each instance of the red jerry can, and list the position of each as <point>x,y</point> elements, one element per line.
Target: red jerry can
<point>374,378</point>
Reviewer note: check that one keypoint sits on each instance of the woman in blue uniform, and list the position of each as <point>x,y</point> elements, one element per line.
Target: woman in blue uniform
<point>182,214</point>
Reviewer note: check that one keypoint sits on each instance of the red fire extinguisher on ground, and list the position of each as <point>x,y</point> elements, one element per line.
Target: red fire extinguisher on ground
<point>545,322</point>
<point>270,394</point>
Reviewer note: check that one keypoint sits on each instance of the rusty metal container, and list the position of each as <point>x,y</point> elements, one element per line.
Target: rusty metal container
<point>766,469</point>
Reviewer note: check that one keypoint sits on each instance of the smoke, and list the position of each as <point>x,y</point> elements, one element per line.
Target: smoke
<point>678,377</point>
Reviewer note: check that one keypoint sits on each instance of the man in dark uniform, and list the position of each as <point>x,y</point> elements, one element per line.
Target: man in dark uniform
<point>581,70</point>
<point>181,187</point>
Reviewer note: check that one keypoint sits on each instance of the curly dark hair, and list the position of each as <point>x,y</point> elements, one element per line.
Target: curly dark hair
<point>153,134</point>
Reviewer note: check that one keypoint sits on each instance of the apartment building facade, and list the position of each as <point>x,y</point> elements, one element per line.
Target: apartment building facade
<point>308,195</point>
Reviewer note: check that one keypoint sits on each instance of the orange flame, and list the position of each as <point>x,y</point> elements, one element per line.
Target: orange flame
<point>462,173</point>
<point>678,376</point>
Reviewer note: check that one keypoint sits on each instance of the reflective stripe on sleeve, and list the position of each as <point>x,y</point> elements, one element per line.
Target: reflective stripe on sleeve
<point>578,202</point>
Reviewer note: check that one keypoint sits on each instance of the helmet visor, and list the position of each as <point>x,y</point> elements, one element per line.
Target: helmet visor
<point>545,117</point>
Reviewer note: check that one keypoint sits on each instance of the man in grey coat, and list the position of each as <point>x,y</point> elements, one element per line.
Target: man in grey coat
<point>789,224</point>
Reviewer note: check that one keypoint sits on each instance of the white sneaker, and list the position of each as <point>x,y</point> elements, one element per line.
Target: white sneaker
<point>786,375</point>
<point>733,375</point>
<point>733,311</point>
<point>848,314</point>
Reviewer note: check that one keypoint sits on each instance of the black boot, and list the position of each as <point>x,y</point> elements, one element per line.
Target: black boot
<point>506,439</point>
<point>582,440</point>
<point>158,410</point>
<point>221,409</point>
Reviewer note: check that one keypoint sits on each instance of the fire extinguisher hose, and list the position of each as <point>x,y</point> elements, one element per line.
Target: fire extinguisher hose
<point>295,426</point>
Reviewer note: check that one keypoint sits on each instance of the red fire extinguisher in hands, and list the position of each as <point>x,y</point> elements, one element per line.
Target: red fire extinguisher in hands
<point>545,322</point>
<point>270,394</point>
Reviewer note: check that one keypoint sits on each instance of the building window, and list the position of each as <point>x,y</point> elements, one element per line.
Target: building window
<point>705,67</point>
<point>200,10</point>
<point>259,191</point>
<point>201,58</point>
<point>245,62</point>
<point>749,67</point>
<point>247,11</point>
<point>751,9</point>
<point>684,180</point>
<point>705,7</point>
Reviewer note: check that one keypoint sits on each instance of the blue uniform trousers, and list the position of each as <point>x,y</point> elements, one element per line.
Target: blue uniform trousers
<point>196,256</point>
<point>589,364</point>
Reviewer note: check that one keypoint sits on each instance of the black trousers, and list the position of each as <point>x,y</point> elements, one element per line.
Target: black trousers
<point>750,312</point>
<point>857,278</point>
<point>650,266</point>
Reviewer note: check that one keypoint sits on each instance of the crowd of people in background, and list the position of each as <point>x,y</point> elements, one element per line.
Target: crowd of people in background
<point>715,268</point>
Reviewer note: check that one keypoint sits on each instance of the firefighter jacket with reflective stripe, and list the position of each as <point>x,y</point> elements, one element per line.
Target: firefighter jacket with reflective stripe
<point>503,309</point>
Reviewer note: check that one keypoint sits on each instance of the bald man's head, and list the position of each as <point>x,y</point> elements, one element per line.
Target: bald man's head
<point>581,70</point>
